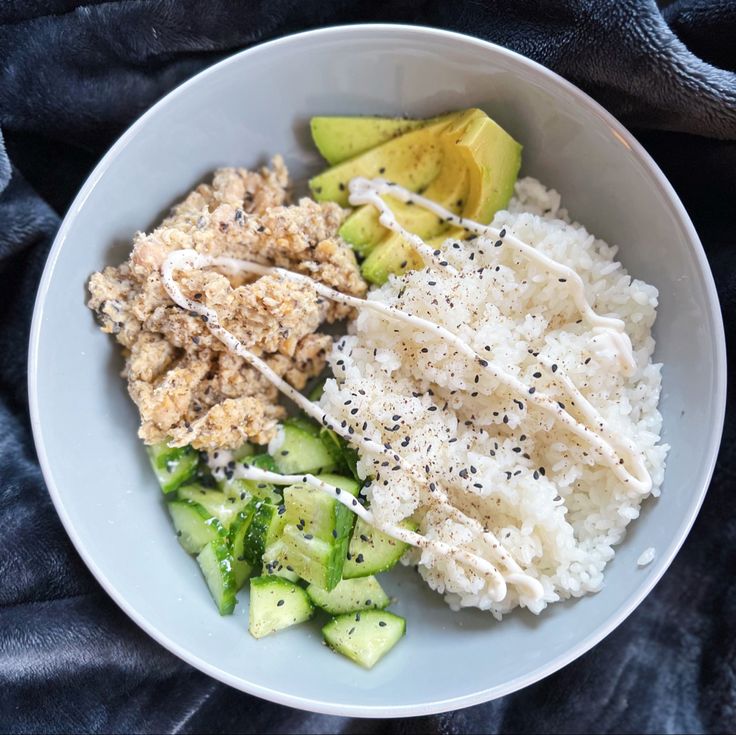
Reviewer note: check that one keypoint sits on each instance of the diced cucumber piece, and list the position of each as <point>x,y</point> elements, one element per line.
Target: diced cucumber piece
<point>317,561</point>
<point>364,637</point>
<point>216,564</point>
<point>276,603</point>
<point>316,392</point>
<point>305,424</point>
<point>243,452</point>
<point>350,595</point>
<point>244,490</point>
<point>263,461</point>
<point>223,507</point>
<point>372,551</point>
<point>301,452</point>
<point>172,465</point>
<point>277,569</point>
<point>344,456</point>
<point>314,511</point>
<point>238,530</point>
<point>195,526</point>
<point>266,526</point>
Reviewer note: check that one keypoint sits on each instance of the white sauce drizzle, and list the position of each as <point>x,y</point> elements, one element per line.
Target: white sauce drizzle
<point>369,191</point>
<point>611,331</point>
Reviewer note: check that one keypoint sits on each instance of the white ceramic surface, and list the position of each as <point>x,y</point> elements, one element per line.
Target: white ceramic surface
<point>240,111</point>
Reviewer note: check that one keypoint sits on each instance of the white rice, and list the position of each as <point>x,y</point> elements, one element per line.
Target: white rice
<point>562,526</point>
<point>646,557</point>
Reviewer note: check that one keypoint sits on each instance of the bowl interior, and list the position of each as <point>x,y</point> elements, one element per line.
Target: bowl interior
<point>240,113</point>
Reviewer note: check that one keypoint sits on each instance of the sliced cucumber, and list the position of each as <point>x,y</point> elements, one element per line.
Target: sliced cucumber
<point>243,452</point>
<point>371,551</point>
<point>268,522</point>
<point>314,511</point>
<point>276,603</point>
<point>263,461</point>
<point>238,530</point>
<point>364,637</point>
<point>350,595</point>
<point>317,561</point>
<point>244,490</point>
<point>195,526</point>
<point>305,424</point>
<point>302,451</point>
<point>172,465</point>
<point>316,392</point>
<point>344,456</point>
<point>277,569</point>
<point>216,564</point>
<point>222,506</point>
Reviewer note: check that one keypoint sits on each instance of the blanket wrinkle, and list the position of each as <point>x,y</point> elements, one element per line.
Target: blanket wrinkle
<point>73,76</point>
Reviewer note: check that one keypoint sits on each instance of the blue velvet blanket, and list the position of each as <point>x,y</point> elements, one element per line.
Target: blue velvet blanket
<point>72,76</point>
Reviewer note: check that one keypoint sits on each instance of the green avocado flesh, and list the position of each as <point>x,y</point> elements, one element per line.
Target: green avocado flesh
<point>340,138</point>
<point>464,161</point>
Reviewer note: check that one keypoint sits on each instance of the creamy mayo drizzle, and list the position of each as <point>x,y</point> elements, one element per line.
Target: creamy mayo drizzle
<point>191,260</point>
<point>369,191</point>
<point>480,565</point>
<point>613,340</point>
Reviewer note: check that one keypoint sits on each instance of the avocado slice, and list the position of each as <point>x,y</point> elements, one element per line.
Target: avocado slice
<point>491,159</point>
<point>362,228</point>
<point>412,160</point>
<point>393,255</point>
<point>341,138</point>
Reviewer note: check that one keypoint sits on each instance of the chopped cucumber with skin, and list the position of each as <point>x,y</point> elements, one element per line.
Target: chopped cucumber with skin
<point>195,525</point>
<point>172,466</point>
<point>216,564</point>
<point>243,452</point>
<point>345,456</point>
<point>313,511</point>
<point>314,560</point>
<point>304,423</point>
<point>275,604</point>
<point>245,490</point>
<point>223,507</point>
<point>267,524</point>
<point>372,551</point>
<point>238,530</point>
<point>315,538</point>
<point>262,461</point>
<point>302,451</point>
<point>277,569</point>
<point>316,392</point>
<point>350,595</point>
<point>364,637</point>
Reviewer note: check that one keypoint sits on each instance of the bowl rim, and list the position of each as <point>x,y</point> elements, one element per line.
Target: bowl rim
<point>324,706</point>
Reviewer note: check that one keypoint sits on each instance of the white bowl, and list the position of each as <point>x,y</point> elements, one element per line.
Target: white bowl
<point>241,111</point>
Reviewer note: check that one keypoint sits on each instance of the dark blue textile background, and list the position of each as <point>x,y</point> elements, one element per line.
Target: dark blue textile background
<point>72,77</point>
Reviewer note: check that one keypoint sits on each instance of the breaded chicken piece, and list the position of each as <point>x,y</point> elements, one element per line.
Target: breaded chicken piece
<point>187,386</point>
